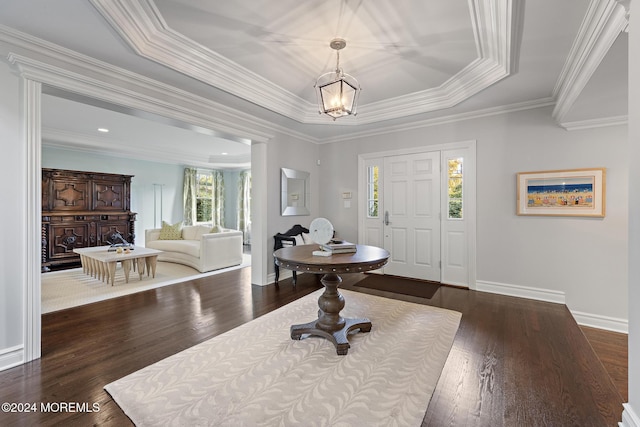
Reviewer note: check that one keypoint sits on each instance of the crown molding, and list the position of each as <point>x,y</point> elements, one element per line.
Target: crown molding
<point>126,88</point>
<point>596,123</point>
<point>603,22</point>
<point>497,26</point>
<point>453,118</point>
<point>474,78</point>
<point>142,27</point>
<point>120,86</point>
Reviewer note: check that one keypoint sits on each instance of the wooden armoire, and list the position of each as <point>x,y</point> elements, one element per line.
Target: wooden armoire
<point>81,210</point>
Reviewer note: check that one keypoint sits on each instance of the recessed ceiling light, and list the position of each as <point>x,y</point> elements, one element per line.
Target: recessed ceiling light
<point>105,130</point>
<point>224,154</point>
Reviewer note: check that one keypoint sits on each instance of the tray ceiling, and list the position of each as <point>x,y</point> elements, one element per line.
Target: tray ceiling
<point>419,63</point>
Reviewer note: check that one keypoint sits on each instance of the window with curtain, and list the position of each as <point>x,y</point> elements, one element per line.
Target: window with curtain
<point>204,197</point>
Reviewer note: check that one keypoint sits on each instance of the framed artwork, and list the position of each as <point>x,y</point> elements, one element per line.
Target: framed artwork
<point>573,192</point>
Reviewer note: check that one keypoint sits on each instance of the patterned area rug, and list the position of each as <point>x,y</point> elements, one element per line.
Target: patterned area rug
<point>71,288</point>
<point>256,375</point>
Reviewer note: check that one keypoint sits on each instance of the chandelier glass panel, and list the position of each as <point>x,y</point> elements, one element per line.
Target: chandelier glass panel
<point>337,91</point>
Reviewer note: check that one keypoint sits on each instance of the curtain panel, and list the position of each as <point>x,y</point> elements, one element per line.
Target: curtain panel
<point>218,198</point>
<point>189,195</point>
<point>244,205</point>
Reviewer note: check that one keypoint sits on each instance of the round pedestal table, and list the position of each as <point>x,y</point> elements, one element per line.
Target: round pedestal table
<point>330,324</point>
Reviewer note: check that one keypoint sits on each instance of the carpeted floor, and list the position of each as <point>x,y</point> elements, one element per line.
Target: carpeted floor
<point>256,375</point>
<point>399,285</point>
<point>70,288</point>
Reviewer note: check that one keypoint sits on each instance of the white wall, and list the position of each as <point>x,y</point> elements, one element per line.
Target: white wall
<point>586,259</point>
<point>142,190</point>
<point>284,151</point>
<point>13,164</point>
<point>631,415</point>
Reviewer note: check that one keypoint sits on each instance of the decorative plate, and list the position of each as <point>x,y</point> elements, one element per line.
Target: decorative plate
<point>321,231</point>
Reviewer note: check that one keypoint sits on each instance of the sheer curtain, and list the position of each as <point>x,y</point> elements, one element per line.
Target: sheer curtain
<point>189,195</point>
<point>244,205</point>
<point>217,207</point>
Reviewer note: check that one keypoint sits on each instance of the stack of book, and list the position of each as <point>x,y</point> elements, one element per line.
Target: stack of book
<point>338,247</point>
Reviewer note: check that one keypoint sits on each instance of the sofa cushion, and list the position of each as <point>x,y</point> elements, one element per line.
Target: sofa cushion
<point>170,231</point>
<point>202,229</point>
<point>194,232</point>
<point>188,247</point>
<point>189,232</point>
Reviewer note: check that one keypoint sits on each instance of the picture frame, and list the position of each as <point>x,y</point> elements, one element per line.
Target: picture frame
<point>571,192</point>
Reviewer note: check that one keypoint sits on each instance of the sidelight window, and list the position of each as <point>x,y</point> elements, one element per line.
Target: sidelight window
<point>372,192</point>
<point>454,199</point>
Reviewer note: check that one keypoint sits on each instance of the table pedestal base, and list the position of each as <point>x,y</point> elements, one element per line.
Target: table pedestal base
<point>330,325</point>
<point>338,338</point>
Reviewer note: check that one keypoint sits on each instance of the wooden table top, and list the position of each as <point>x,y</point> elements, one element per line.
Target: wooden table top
<point>102,253</point>
<point>300,258</point>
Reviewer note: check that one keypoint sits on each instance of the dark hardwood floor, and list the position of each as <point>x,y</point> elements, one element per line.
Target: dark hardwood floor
<point>514,362</point>
<point>612,349</point>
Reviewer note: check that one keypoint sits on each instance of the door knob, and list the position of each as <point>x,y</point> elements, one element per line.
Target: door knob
<point>386,218</point>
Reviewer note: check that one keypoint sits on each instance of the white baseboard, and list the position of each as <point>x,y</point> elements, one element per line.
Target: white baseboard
<point>539,294</point>
<point>601,322</point>
<point>11,357</point>
<point>284,274</point>
<point>548,295</point>
<point>629,417</point>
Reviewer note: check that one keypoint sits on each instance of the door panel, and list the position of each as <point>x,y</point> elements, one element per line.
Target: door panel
<point>424,247</point>
<point>412,200</point>
<point>398,192</point>
<point>423,196</point>
<point>398,247</point>
<point>373,236</point>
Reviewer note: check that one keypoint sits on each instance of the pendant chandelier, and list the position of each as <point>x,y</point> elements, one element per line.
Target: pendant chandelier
<point>337,91</point>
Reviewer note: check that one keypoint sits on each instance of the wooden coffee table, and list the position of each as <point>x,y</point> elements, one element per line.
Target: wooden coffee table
<point>330,324</point>
<point>100,263</point>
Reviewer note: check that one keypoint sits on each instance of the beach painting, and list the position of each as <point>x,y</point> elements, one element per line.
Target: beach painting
<point>577,192</point>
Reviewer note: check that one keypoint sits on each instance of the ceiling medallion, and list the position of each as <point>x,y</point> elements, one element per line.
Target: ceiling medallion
<point>337,91</point>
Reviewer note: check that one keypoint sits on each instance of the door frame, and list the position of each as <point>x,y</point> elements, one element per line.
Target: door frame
<point>470,192</point>
<point>33,75</point>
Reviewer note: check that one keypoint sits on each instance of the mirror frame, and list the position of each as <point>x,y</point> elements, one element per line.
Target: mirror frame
<point>287,174</point>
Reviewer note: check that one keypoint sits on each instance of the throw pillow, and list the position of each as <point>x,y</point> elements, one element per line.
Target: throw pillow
<point>171,231</point>
<point>216,229</point>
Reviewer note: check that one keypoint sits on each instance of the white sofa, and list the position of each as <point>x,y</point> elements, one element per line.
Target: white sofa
<point>199,248</point>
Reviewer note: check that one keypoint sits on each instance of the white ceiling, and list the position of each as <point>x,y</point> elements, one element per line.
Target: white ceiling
<point>417,61</point>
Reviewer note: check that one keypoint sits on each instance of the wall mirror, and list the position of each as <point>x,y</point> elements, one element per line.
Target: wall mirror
<point>294,192</point>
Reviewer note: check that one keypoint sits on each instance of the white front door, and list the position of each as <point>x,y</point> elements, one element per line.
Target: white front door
<point>411,215</point>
